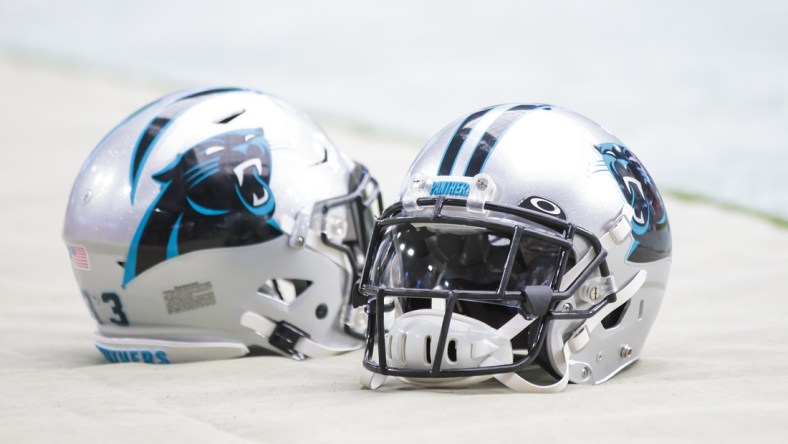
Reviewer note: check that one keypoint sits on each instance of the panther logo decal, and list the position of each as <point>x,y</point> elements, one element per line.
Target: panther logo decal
<point>650,220</point>
<point>214,195</point>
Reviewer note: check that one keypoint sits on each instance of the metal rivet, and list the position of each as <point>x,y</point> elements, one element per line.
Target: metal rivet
<point>626,351</point>
<point>86,197</point>
<point>584,372</point>
<point>599,357</point>
<point>299,241</point>
<point>567,307</point>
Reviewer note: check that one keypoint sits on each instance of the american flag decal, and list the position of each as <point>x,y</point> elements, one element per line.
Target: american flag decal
<point>79,257</point>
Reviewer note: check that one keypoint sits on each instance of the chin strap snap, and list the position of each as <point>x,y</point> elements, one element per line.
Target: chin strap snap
<point>287,338</point>
<point>516,382</point>
<point>522,385</point>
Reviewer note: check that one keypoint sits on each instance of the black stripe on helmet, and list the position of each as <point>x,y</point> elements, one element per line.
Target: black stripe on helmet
<point>156,127</point>
<point>453,149</point>
<point>492,134</point>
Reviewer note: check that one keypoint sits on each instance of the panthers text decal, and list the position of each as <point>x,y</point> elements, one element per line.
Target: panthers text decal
<point>450,188</point>
<point>116,356</point>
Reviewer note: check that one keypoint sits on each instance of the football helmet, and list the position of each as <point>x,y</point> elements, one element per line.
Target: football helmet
<point>524,234</point>
<point>216,221</point>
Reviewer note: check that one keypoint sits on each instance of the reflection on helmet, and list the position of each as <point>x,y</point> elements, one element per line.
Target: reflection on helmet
<point>216,222</point>
<point>526,235</point>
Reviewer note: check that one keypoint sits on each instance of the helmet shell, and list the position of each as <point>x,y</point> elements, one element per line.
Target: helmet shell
<point>184,215</point>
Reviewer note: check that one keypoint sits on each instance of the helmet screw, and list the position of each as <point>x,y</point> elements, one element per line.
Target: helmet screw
<point>321,311</point>
<point>481,183</point>
<point>594,293</point>
<point>418,183</point>
<point>567,307</point>
<point>626,351</point>
<point>299,241</point>
<point>584,372</point>
<point>599,357</point>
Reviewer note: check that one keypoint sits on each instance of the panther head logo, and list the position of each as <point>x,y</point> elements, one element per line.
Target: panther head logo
<point>213,195</point>
<point>650,220</point>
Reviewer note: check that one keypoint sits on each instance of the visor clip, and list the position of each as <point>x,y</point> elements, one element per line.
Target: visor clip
<point>481,190</point>
<point>596,289</point>
<point>356,297</point>
<point>300,230</point>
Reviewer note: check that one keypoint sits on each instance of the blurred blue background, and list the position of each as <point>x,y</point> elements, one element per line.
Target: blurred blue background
<point>699,90</point>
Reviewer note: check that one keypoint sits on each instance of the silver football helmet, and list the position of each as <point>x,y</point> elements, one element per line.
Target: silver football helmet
<point>216,221</point>
<point>524,234</point>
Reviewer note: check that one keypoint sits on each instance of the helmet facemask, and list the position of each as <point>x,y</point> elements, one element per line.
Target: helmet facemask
<point>474,295</point>
<point>350,232</point>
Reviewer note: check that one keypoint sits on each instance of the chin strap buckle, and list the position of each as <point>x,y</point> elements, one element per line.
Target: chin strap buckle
<point>285,336</point>
<point>357,299</point>
<point>289,339</point>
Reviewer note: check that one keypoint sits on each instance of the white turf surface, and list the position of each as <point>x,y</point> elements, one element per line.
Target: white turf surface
<point>715,368</point>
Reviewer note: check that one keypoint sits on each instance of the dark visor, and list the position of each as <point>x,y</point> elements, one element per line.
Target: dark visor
<point>456,257</point>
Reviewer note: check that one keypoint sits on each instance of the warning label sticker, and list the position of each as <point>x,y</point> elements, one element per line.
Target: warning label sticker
<point>189,297</point>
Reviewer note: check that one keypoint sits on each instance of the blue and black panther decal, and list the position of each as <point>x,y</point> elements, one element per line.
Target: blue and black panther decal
<point>650,220</point>
<point>215,194</point>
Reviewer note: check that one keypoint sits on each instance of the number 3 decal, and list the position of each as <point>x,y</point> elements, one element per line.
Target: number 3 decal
<point>117,308</point>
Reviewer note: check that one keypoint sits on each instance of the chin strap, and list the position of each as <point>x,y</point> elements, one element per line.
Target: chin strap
<point>370,380</point>
<point>287,338</point>
<point>579,339</point>
<point>516,382</point>
<point>517,324</point>
<point>522,385</point>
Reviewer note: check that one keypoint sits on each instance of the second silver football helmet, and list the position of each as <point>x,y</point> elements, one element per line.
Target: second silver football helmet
<point>216,221</point>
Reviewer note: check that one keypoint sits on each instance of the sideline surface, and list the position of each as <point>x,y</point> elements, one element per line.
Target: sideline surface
<point>715,366</point>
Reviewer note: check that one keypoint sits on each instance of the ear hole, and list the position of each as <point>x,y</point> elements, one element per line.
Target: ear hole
<point>640,311</point>
<point>428,349</point>
<point>451,351</point>
<point>615,317</point>
<point>283,290</point>
<point>232,116</point>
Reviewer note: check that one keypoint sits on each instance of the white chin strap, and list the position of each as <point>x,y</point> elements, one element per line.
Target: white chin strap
<point>412,344</point>
<point>304,346</point>
<point>486,337</point>
<point>425,321</point>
